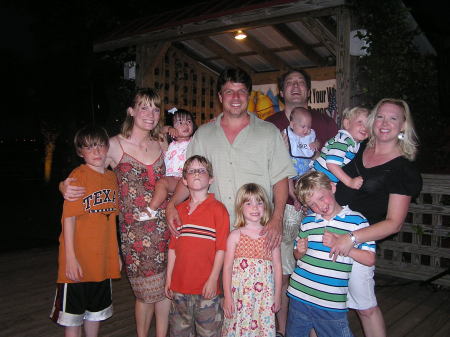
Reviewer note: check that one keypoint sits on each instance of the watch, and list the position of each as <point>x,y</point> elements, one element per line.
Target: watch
<point>353,238</point>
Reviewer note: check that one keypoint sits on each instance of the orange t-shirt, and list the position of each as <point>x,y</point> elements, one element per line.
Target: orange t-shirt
<point>95,237</point>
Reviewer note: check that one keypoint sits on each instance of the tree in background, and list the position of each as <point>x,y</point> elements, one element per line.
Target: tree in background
<point>394,67</point>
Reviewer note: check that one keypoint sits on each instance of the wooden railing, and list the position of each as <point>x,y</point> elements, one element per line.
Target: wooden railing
<point>421,251</point>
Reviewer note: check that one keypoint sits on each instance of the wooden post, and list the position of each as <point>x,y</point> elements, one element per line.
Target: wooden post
<point>343,64</point>
<point>147,54</point>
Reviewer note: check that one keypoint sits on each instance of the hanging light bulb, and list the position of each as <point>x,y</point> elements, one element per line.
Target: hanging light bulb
<point>240,35</point>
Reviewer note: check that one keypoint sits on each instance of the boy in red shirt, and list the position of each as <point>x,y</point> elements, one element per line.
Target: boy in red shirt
<point>88,251</point>
<point>195,258</point>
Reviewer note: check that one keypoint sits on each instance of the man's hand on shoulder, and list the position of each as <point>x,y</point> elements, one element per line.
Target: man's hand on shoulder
<point>173,219</point>
<point>274,230</point>
<point>71,192</point>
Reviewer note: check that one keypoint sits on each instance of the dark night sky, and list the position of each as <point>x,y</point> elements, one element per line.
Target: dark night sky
<point>46,47</point>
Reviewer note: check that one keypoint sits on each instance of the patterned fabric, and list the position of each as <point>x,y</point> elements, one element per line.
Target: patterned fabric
<point>339,150</point>
<point>175,157</point>
<point>194,315</point>
<point>317,280</point>
<point>148,289</point>
<point>144,244</point>
<point>253,288</point>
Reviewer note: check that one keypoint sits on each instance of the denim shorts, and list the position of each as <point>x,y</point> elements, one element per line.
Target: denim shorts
<point>304,317</point>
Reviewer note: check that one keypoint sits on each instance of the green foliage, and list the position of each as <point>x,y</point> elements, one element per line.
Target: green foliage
<point>395,68</point>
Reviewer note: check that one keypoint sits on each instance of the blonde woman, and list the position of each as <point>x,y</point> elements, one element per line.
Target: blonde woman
<point>391,180</point>
<point>136,156</point>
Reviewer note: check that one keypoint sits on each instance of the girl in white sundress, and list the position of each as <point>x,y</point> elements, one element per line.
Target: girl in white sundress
<point>251,273</point>
<point>183,126</point>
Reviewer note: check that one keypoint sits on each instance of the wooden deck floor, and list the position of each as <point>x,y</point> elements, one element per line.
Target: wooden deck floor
<point>27,289</point>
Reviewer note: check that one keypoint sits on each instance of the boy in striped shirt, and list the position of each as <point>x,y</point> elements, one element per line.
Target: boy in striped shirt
<point>342,148</point>
<point>318,285</point>
<point>195,257</point>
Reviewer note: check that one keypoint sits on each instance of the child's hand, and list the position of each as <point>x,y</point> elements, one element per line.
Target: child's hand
<point>276,304</point>
<point>172,132</point>
<point>356,183</point>
<point>167,290</point>
<point>302,246</point>
<point>209,289</point>
<point>74,271</point>
<point>228,307</point>
<point>314,145</point>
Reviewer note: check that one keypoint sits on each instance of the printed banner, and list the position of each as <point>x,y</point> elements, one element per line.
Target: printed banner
<point>265,101</point>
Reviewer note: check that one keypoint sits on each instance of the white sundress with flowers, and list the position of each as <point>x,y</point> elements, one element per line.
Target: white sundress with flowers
<point>253,289</point>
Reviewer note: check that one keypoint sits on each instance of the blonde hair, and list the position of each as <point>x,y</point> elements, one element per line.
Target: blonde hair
<point>310,182</point>
<point>352,113</point>
<point>244,194</point>
<point>409,144</point>
<point>143,97</point>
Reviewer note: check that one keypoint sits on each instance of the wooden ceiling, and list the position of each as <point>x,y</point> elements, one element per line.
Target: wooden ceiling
<point>280,34</point>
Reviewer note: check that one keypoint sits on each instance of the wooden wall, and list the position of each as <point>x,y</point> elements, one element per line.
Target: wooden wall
<point>422,249</point>
<point>184,83</point>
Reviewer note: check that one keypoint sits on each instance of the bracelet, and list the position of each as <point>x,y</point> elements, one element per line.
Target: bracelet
<point>353,238</point>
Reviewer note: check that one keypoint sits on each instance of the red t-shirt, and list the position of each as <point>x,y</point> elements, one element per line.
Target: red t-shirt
<point>203,233</point>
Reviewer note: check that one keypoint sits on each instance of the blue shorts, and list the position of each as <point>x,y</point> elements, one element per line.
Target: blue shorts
<point>303,317</point>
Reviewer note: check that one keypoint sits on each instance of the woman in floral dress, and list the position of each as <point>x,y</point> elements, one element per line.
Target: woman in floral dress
<point>136,156</point>
<point>251,273</point>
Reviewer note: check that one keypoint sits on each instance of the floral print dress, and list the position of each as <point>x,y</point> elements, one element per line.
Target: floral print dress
<point>144,244</point>
<point>253,289</point>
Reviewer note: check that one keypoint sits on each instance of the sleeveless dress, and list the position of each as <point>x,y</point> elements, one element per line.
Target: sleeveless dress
<point>144,244</point>
<point>253,289</point>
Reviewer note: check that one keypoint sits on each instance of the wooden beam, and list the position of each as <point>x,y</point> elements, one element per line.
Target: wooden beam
<point>321,33</point>
<point>298,42</point>
<point>230,58</point>
<point>204,61</point>
<point>146,57</point>
<point>281,13</point>
<point>328,23</point>
<point>343,67</point>
<point>252,53</point>
<point>262,51</point>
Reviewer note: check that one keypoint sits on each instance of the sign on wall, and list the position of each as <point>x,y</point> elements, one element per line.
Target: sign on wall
<point>265,101</point>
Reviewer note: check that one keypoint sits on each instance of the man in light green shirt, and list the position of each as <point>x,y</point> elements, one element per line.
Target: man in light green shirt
<point>242,149</point>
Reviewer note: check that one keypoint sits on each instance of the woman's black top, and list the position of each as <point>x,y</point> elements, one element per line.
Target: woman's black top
<point>398,176</point>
